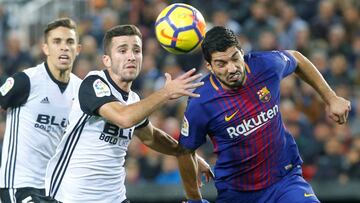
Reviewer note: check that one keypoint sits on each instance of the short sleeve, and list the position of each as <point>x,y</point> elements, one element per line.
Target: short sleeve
<point>193,129</point>
<point>282,62</point>
<point>93,93</point>
<point>290,63</point>
<point>15,91</point>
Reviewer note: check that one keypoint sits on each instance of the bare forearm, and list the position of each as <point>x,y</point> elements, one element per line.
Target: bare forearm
<point>163,143</point>
<point>309,73</point>
<point>188,170</point>
<point>127,116</point>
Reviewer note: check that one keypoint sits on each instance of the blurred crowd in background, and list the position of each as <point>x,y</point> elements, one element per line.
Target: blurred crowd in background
<point>327,32</point>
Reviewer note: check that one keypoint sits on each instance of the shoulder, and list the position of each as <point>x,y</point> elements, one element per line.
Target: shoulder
<point>268,55</point>
<point>93,76</point>
<point>75,79</point>
<point>207,92</point>
<point>35,71</point>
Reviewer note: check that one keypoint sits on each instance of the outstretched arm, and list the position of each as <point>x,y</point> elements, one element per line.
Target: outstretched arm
<point>126,116</point>
<point>337,107</point>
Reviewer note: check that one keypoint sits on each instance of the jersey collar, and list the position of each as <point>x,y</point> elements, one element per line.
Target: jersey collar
<point>62,85</point>
<point>125,95</point>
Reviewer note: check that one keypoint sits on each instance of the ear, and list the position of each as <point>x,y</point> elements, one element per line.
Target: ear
<point>106,60</point>
<point>209,67</point>
<point>78,49</point>
<point>45,49</point>
<point>242,52</point>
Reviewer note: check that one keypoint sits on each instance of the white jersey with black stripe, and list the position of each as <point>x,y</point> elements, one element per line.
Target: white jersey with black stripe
<point>34,128</point>
<point>88,164</point>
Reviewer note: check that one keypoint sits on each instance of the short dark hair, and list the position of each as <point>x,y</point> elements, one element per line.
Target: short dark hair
<point>119,30</point>
<point>219,39</point>
<point>61,22</point>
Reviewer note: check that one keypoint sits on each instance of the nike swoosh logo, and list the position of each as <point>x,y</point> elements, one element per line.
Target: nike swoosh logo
<point>308,194</point>
<point>252,130</point>
<point>231,116</point>
<point>163,34</point>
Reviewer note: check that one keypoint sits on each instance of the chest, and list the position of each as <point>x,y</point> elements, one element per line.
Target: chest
<point>239,113</point>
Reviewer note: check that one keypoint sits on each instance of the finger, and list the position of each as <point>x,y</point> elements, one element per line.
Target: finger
<point>199,181</point>
<point>341,119</point>
<point>193,78</point>
<point>212,175</point>
<point>334,117</point>
<point>187,74</point>
<point>194,85</point>
<point>190,94</point>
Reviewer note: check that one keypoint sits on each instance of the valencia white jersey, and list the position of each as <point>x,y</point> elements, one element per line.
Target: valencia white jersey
<point>89,162</point>
<point>38,107</point>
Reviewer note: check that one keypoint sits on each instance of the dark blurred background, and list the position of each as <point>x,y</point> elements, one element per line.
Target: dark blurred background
<point>327,32</point>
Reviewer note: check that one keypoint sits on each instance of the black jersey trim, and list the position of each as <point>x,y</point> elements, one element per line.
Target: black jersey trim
<point>124,94</point>
<point>19,93</point>
<point>144,124</point>
<point>63,162</point>
<point>12,149</point>
<point>62,85</point>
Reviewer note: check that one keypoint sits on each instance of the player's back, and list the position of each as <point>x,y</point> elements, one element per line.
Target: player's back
<point>254,149</point>
<point>89,162</point>
<point>34,129</point>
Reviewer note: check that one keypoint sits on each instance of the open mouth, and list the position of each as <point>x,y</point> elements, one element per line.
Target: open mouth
<point>64,58</point>
<point>234,77</point>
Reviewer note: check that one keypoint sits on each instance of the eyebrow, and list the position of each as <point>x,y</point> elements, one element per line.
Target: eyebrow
<point>125,45</point>
<point>59,38</point>
<point>222,61</point>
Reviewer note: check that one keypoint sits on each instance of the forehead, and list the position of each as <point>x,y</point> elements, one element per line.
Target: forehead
<point>62,32</point>
<point>227,54</point>
<point>129,41</point>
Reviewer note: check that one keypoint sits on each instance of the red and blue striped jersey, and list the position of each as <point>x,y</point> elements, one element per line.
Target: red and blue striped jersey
<point>253,147</point>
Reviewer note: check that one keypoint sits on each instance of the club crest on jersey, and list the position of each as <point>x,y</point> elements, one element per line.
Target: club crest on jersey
<point>101,89</point>
<point>185,127</point>
<point>264,94</point>
<point>6,87</point>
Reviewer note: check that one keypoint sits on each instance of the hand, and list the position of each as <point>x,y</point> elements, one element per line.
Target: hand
<point>338,109</point>
<point>204,169</point>
<point>182,85</point>
<point>197,201</point>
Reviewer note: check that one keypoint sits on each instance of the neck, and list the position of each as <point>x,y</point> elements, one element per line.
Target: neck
<point>59,75</point>
<point>124,85</point>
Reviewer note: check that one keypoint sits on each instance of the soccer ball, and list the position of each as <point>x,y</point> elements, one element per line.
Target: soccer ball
<point>180,28</point>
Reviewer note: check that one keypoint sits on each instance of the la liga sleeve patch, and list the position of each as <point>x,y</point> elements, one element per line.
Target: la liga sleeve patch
<point>6,87</point>
<point>101,89</point>
<point>185,127</point>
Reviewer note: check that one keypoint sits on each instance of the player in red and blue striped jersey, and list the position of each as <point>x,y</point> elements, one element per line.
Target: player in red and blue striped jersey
<point>258,159</point>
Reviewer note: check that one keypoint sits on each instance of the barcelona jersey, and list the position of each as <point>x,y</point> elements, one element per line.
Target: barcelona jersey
<point>254,148</point>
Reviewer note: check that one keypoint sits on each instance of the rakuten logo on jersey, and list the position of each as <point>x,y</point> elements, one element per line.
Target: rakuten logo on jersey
<point>248,126</point>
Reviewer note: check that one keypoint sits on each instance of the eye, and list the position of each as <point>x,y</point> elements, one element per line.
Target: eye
<point>57,41</point>
<point>220,64</point>
<point>122,51</point>
<point>137,51</point>
<point>71,42</point>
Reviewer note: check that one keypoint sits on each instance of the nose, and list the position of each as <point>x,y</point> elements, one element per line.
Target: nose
<point>232,68</point>
<point>64,47</point>
<point>131,56</point>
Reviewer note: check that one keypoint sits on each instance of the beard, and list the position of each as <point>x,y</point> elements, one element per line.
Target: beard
<point>233,85</point>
